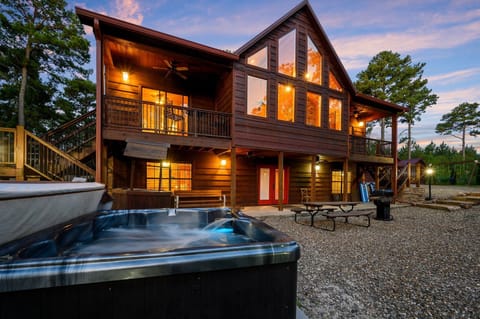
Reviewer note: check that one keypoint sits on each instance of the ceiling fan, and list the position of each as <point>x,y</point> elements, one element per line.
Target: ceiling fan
<point>173,67</point>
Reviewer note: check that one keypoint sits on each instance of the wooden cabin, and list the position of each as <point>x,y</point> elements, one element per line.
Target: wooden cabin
<point>278,115</point>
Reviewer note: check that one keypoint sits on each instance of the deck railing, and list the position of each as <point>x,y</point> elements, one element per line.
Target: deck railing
<point>28,154</point>
<point>7,146</point>
<point>370,147</point>
<point>76,136</point>
<point>51,163</point>
<point>168,119</point>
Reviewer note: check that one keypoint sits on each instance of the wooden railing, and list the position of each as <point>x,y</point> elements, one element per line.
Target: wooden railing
<point>23,154</point>
<point>51,163</point>
<point>7,146</point>
<point>371,147</point>
<point>156,118</point>
<point>74,137</point>
<point>402,179</point>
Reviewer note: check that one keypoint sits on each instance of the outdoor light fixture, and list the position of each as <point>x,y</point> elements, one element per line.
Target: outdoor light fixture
<point>223,162</point>
<point>165,164</point>
<point>429,171</point>
<point>317,167</point>
<point>125,76</point>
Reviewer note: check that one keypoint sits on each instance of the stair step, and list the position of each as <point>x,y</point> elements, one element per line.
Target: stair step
<point>475,200</point>
<point>438,206</point>
<point>462,204</point>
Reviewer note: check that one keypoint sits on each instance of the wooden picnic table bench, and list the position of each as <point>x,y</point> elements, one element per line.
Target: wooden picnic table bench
<point>312,212</point>
<point>199,198</point>
<point>346,215</point>
<point>329,210</point>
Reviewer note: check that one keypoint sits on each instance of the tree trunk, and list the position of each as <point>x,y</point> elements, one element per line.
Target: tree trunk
<point>382,129</point>
<point>23,86</point>
<point>409,141</point>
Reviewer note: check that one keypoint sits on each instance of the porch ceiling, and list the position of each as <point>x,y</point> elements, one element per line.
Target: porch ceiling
<point>123,54</point>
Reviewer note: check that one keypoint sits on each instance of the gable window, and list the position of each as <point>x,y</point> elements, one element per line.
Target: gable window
<point>286,102</point>
<point>335,114</point>
<point>314,63</point>
<point>166,176</point>
<point>314,109</point>
<point>259,58</point>
<point>333,82</point>
<point>286,54</point>
<point>256,96</point>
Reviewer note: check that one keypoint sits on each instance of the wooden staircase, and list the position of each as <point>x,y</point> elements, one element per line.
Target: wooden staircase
<point>60,155</point>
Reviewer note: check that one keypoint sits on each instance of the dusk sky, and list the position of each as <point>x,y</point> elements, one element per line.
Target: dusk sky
<point>443,34</point>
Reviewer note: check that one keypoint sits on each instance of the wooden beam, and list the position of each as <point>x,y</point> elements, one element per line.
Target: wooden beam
<point>345,180</point>
<point>20,153</point>
<point>233,178</point>
<point>99,164</point>
<point>280,181</point>
<point>395,155</point>
<point>313,181</point>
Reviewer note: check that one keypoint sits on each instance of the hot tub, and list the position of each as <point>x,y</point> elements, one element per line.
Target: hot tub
<point>157,263</point>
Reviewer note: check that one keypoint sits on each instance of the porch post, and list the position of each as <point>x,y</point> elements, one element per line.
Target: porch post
<point>100,165</point>
<point>280,181</point>
<point>313,180</point>
<point>20,153</point>
<point>233,178</point>
<point>345,180</point>
<point>395,156</point>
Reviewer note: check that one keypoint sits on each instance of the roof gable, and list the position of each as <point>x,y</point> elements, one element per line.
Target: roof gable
<point>327,46</point>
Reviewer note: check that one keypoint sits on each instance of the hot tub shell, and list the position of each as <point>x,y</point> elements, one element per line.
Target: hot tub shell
<point>252,280</point>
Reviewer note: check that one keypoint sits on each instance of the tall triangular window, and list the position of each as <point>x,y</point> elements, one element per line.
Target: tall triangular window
<point>287,54</point>
<point>259,58</point>
<point>314,63</point>
<point>333,82</point>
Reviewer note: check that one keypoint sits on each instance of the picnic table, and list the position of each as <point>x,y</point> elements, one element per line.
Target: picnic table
<point>328,210</point>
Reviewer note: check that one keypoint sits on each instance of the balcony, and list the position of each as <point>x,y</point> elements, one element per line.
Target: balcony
<point>148,117</point>
<point>370,150</point>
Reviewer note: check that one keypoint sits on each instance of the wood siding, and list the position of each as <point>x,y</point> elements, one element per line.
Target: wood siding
<point>272,134</point>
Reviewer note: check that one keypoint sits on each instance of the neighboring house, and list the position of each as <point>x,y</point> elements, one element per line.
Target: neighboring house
<point>417,170</point>
<point>277,115</point>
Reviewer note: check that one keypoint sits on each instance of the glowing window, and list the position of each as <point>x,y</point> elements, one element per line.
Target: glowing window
<point>167,176</point>
<point>314,109</point>
<point>162,111</point>
<point>337,182</point>
<point>333,82</point>
<point>314,65</point>
<point>286,54</point>
<point>259,58</point>
<point>256,96</point>
<point>335,114</point>
<point>286,102</point>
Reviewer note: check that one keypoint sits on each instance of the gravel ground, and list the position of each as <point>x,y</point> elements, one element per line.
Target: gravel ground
<point>423,264</point>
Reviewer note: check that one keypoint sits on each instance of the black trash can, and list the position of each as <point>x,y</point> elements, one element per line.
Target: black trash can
<point>383,208</point>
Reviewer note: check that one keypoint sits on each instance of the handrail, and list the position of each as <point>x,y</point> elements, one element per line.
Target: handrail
<point>369,146</point>
<point>75,135</point>
<point>51,162</point>
<point>402,172</point>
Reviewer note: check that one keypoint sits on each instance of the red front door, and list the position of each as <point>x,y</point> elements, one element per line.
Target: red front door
<point>268,185</point>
